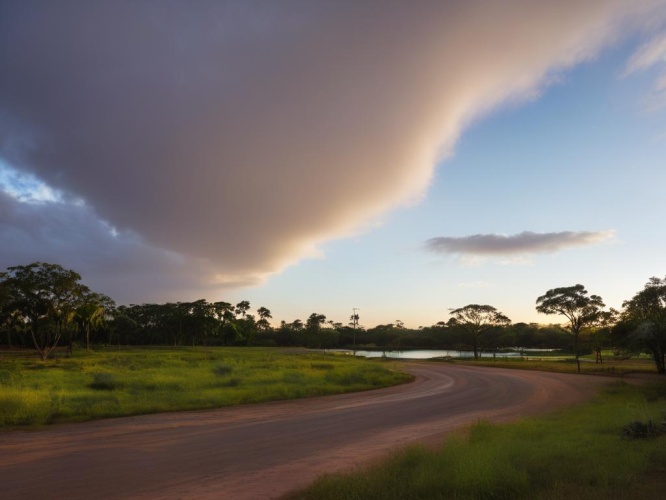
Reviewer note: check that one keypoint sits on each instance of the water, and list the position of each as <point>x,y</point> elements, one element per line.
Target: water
<point>426,354</point>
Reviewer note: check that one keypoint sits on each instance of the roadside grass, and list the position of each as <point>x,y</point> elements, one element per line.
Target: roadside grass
<point>578,453</point>
<point>610,366</point>
<point>111,383</point>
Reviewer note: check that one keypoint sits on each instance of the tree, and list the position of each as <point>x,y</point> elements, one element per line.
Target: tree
<point>600,334</point>
<point>91,313</point>
<point>264,316</point>
<point>7,311</point>
<point>645,314</point>
<point>476,320</point>
<point>201,319</point>
<point>46,296</point>
<point>573,303</point>
<point>354,324</point>
<point>314,322</point>
<point>242,307</point>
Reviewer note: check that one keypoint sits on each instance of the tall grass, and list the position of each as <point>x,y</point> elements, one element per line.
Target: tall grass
<point>576,454</point>
<point>93,385</point>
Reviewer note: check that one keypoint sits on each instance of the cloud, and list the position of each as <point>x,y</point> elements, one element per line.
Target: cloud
<point>79,240</point>
<point>233,138</point>
<point>651,55</point>
<point>516,246</point>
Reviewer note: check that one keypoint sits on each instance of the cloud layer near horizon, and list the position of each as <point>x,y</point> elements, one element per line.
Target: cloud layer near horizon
<point>526,242</point>
<point>211,144</point>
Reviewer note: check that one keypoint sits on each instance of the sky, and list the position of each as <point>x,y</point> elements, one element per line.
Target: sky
<point>400,158</point>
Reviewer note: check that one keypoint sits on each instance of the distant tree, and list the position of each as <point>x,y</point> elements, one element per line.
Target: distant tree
<point>246,328</point>
<point>202,320</point>
<point>314,322</point>
<point>92,312</point>
<point>476,320</point>
<point>645,315</point>
<point>224,311</point>
<point>242,307</point>
<point>264,316</point>
<point>7,311</point>
<point>123,327</point>
<point>46,296</point>
<point>573,303</point>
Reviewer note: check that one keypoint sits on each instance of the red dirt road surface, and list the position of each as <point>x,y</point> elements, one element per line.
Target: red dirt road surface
<point>264,451</point>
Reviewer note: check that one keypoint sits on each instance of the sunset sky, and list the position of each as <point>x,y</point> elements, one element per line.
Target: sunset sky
<point>403,158</point>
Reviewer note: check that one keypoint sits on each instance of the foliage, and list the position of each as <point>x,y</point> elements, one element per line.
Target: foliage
<point>92,313</point>
<point>572,302</point>
<point>314,322</point>
<point>477,320</point>
<point>641,430</point>
<point>54,317</point>
<point>644,320</point>
<point>44,297</point>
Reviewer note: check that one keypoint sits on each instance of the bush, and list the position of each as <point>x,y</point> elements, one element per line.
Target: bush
<point>104,382</point>
<point>222,370</point>
<point>641,430</point>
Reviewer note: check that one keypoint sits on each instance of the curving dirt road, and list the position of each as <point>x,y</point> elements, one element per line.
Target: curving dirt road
<point>263,451</point>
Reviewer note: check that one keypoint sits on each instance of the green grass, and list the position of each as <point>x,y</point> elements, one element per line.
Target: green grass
<point>610,366</point>
<point>93,385</point>
<point>575,454</point>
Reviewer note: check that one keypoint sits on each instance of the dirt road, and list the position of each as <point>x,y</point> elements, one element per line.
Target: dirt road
<point>263,451</point>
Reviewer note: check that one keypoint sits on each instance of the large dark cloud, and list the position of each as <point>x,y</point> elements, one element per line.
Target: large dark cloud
<point>235,137</point>
<point>71,235</point>
<point>526,242</point>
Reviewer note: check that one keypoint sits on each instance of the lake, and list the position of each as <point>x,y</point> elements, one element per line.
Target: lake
<point>425,354</point>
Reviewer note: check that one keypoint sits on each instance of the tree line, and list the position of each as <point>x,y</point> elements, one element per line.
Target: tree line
<point>45,306</point>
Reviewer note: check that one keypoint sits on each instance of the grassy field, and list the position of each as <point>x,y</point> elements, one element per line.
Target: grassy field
<point>580,453</point>
<point>563,364</point>
<point>112,383</point>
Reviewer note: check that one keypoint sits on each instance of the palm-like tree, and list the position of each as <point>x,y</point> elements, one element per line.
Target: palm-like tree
<point>92,312</point>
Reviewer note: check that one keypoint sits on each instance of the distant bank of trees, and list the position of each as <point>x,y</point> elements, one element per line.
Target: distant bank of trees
<point>45,306</point>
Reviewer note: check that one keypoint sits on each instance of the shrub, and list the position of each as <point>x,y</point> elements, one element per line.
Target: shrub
<point>104,382</point>
<point>641,430</point>
<point>222,370</point>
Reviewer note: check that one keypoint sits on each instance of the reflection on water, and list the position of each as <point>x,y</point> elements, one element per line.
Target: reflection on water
<point>425,354</point>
